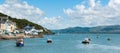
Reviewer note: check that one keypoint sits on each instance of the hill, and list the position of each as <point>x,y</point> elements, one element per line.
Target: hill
<point>99,29</point>
<point>21,23</point>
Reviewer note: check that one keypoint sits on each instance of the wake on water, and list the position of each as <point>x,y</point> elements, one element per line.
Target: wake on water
<point>98,46</point>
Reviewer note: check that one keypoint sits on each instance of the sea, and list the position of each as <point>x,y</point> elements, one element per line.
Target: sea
<point>65,43</point>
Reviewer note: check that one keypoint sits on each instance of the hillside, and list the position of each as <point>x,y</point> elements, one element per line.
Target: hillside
<point>21,23</point>
<point>99,29</point>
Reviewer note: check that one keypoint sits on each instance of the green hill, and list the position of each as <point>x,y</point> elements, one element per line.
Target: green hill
<point>112,29</point>
<point>21,23</point>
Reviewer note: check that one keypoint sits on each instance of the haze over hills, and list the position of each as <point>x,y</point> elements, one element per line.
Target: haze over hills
<point>98,29</point>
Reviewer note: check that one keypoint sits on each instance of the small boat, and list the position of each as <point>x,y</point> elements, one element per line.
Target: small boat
<point>49,41</point>
<point>108,39</point>
<point>86,41</point>
<point>19,42</point>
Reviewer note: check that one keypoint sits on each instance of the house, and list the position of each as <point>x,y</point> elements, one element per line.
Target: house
<point>6,26</point>
<point>31,30</point>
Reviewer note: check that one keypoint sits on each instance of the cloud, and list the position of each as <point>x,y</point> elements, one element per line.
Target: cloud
<point>92,3</point>
<point>22,10</point>
<point>96,14</point>
<point>56,22</point>
<point>114,3</point>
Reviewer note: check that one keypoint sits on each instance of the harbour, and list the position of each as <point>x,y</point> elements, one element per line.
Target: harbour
<point>65,43</point>
<point>59,26</point>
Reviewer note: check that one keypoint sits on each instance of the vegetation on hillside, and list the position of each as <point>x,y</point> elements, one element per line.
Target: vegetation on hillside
<point>21,23</point>
<point>98,29</point>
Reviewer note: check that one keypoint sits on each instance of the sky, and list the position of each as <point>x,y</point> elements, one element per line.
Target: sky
<point>59,14</point>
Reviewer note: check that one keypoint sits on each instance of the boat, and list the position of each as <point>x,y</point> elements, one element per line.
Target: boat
<point>86,41</point>
<point>108,39</point>
<point>20,42</point>
<point>49,41</point>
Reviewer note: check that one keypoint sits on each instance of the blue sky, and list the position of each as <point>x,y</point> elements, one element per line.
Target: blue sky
<point>53,7</point>
<point>59,14</point>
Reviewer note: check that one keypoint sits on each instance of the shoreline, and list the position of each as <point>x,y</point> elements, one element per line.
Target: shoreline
<point>10,37</point>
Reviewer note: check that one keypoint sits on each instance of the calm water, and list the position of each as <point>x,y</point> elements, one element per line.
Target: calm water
<point>65,43</point>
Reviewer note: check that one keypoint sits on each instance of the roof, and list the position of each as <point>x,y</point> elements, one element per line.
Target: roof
<point>27,27</point>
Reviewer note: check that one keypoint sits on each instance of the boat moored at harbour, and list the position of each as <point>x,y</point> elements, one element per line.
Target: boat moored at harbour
<point>49,40</point>
<point>20,42</point>
<point>86,41</point>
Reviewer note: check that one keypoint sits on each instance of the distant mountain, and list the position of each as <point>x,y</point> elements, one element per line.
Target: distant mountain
<point>98,29</point>
<point>21,23</point>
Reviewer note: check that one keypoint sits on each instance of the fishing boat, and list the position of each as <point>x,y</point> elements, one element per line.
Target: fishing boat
<point>86,41</point>
<point>49,41</point>
<point>20,42</point>
<point>108,39</point>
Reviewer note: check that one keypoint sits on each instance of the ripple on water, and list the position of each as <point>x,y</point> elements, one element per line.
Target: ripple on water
<point>98,47</point>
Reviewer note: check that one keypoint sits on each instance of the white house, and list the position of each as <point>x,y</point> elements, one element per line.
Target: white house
<point>31,30</point>
<point>6,26</point>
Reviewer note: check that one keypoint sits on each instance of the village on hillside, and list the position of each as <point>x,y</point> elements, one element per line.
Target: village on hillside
<point>9,30</point>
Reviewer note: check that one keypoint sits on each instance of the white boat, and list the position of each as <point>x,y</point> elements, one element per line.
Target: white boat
<point>49,40</point>
<point>86,41</point>
<point>20,42</point>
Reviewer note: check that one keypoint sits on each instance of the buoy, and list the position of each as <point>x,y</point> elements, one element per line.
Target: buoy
<point>89,39</point>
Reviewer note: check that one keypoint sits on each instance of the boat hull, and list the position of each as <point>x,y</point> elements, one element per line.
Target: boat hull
<point>85,42</point>
<point>49,41</point>
<point>19,44</point>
